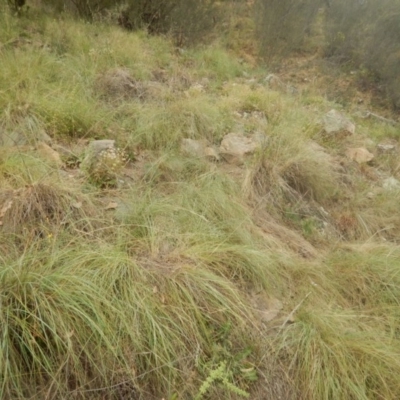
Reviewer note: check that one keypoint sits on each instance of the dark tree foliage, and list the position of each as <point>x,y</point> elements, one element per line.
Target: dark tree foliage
<point>186,20</point>
<point>283,24</point>
<point>16,4</point>
<point>366,34</point>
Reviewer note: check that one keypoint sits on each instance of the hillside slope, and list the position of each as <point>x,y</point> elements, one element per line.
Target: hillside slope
<point>223,243</point>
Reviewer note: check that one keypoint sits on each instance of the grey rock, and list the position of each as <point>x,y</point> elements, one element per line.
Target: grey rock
<point>334,123</point>
<point>28,131</point>
<point>192,147</point>
<point>235,147</point>
<point>391,184</point>
<point>386,148</point>
<point>94,149</point>
<point>199,148</point>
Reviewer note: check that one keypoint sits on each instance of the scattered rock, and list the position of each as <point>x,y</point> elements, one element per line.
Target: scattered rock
<point>336,123</point>
<point>391,184</point>
<point>386,148</point>
<point>197,87</point>
<point>28,131</point>
<point>195,148</point>
<point>235,147</point>
<point>95,148</point>
<point>274,82</point>
<point>316,148</point>
<point>118,83</point>
<point>211,154</point>
<point>267,308</point>
<point>199,148</point>
<point>112,205</point>
<point>370,195</point>
<point>359,155</point>
<point>50,155</point>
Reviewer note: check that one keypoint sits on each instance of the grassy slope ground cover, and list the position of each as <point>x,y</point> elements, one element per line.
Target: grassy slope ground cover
<point>156,298</point>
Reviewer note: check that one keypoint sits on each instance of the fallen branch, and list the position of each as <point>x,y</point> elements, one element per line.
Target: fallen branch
<point>380,118</point>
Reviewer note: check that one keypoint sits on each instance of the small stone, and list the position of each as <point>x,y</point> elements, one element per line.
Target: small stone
<point>211,154</point>
<point>192,147</point>
<point>49,154</point>
<point>359,155</point>
<point>391,184</point>
<point>370,195</point>
<point>386,148</point>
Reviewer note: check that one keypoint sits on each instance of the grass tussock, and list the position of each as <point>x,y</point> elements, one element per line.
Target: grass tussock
<point>146,288</point>
<point>41,210</point>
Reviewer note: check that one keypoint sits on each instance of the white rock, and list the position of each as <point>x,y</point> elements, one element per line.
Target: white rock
<point>391,184</point>
<point>195,148</point>
<point>386,148</point>
<point>335,122</point>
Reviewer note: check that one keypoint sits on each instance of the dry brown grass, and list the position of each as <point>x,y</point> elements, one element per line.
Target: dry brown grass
<point>42,210</point>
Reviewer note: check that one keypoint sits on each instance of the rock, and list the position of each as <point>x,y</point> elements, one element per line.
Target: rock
<point>386,148</point>
<point>118,83</point>
<point>336,123</point>
<point>199,148</point>
<point>195,148</point>
<point>95,148</point>
<point>391,184</point>
<point>370,195</point>
<point>211,154</point>
<point>50,155</point>
<point>267,308</point>
<point>359,155</point>
<point>235,147</point>
<point>28,131</point>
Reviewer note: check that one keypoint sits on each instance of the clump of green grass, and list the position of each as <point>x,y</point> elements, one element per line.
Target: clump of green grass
<point>347,347</point>
<point>163,126</point>
<point>148,322</point>
<point>216,63</point>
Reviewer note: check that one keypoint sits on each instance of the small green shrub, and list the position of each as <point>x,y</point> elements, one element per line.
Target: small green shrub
<point>106,167</point>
